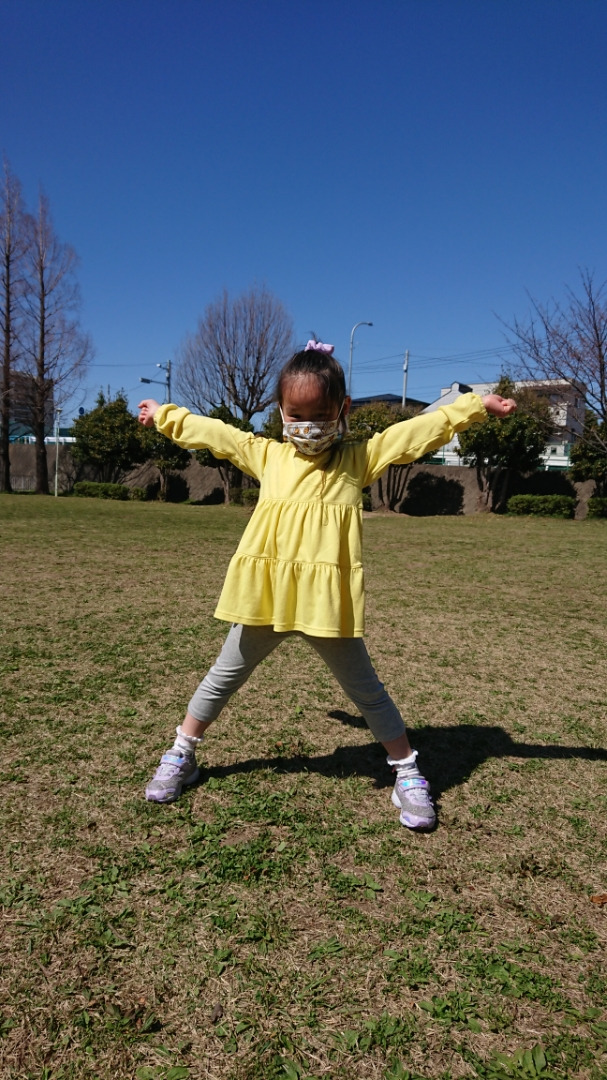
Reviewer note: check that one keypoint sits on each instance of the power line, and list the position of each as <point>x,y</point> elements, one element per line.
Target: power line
<point>125,367</point>
<point>468,355</point>
<point>447,360</point>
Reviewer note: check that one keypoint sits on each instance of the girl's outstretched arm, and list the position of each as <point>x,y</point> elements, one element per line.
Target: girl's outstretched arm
<point>404,442</point>
<point>244,449</point>
<point>499,406</point>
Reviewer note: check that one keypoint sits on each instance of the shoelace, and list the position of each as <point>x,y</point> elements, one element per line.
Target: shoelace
<point>418,796</point>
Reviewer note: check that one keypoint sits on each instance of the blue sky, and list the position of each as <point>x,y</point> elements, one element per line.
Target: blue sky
<point>421,164</point>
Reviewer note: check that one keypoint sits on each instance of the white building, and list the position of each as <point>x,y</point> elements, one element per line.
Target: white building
<point>566,407</point>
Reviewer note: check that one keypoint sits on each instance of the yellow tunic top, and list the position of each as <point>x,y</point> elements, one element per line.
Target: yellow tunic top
<point>298,565</point>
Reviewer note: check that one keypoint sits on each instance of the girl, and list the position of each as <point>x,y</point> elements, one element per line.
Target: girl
<point>297,569</point>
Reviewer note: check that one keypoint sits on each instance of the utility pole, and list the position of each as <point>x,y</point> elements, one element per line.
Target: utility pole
<point>405,370</point>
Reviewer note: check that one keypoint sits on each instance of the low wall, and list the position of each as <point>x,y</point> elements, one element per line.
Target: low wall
<point>426,490</point>
<point>196,482</point>
<point>417,490</point>
<point>23,467</point>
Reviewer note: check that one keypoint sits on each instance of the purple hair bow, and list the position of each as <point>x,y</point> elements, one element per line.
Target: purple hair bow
<point>319,347</point>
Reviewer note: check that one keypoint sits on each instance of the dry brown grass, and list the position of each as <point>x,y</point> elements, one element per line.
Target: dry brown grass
<point>277,921</point>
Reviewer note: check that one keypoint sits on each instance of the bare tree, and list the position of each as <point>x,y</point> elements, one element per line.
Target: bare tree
<point>233,358</point>
<point>13,242</point>
<point>55,350</point>
<point>569,343</point>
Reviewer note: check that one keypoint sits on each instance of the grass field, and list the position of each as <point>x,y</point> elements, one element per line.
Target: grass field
<point>278,922</point>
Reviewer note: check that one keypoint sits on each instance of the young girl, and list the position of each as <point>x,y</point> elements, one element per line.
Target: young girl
<point>297,569</point>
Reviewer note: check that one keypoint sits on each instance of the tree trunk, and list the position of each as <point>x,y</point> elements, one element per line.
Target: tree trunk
<point>41,391</point>
<point>396,484</point>
<point>42,487</point>
<point>5,461</point>
<point>224,472</point>
<point>12,246</point>
<point>235,475</point>
<point>5,416</point>
<point>501,488</point>
<point>484,491</point>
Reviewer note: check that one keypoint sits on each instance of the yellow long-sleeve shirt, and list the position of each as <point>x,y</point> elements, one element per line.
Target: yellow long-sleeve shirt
<point>298,565</point>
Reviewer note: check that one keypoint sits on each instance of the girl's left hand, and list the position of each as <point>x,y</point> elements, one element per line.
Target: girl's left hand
<point>147,408</point>
<point>499,406</point>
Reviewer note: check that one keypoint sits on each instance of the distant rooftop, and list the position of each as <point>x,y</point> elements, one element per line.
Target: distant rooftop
<point>388,399</point>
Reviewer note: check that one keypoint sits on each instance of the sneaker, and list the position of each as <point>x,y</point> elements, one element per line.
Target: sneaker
<point>412,795</point>
<point>173,774</point>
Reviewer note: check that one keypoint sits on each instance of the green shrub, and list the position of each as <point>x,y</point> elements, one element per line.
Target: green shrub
<point>597,507</point>
<point>367,501</point>
<point>244,496</point>
<point>138,494</point>
<point>89,489</point>
<point>562,506</point>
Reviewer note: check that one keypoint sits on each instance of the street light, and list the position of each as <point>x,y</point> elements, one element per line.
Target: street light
<point>351,351</point>
<point>165,382</point>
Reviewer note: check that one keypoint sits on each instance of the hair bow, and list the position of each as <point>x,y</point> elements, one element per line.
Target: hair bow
<point>319,347</point>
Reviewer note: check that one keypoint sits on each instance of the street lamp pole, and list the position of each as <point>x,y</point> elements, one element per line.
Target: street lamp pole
<point>167,367</point>
<point>405,370</point>
<point>57,418</point>
<point>165,382</point>
<point>355,327</point>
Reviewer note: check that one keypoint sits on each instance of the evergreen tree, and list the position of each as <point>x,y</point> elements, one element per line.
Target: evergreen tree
<point>165,454</point>
<point>499,448</point>
<point>109,438</point>
<point>589,455</point>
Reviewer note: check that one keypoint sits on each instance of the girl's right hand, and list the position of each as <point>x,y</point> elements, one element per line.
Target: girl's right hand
<point>147,408</point>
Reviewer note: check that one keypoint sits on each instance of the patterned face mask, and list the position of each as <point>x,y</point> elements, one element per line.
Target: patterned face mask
<point>311,437</point>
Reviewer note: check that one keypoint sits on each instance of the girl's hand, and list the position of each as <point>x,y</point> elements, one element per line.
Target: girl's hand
<point>147,408</point>
<point>499,406</point>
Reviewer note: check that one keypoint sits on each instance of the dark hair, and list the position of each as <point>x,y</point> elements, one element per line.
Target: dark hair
<point>324,367</point>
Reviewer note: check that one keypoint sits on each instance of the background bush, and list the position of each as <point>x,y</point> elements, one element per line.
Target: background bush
<point>597,507</point>
<point>244,496</point>
<point>562,506</point>
<point>90,489</point>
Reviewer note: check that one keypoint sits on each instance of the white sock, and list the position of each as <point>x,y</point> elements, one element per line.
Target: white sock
<point>405,766</point>
<point>186,744</point>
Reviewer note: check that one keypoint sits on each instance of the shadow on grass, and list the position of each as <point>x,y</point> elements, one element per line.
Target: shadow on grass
<point>450,755</point>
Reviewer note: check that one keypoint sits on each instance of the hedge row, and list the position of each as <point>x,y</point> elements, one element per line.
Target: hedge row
<point>562,506</point>
<point>90,489</point>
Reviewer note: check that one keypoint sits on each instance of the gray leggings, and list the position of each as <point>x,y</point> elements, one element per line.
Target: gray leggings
<point>347,658</point>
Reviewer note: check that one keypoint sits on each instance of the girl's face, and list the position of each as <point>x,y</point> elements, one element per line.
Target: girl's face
<point>304,399</point>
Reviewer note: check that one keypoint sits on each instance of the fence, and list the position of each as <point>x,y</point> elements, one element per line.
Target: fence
<point>23,483</point>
